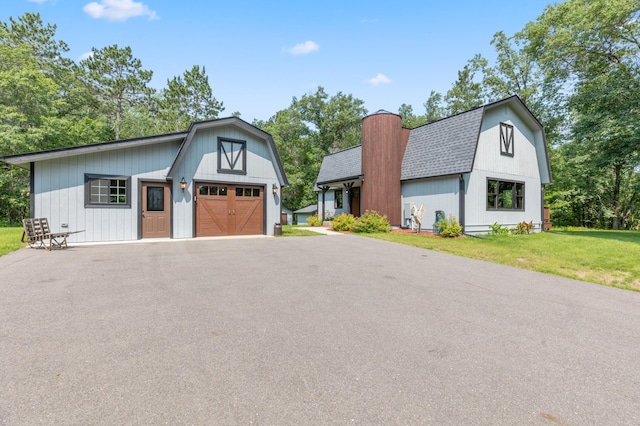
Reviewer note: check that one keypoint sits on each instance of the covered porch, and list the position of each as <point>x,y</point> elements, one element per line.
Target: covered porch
<point>339,197</point>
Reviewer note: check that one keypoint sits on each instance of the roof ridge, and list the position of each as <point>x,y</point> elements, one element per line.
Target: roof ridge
<point>343,150</point>
<point>450,116</point>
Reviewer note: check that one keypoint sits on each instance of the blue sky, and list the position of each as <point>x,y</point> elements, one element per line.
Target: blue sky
<point>259,54</point>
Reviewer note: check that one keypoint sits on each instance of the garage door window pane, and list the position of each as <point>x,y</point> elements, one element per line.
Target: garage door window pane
<point>222,191</point>
<point>203,190</point>
<point>256,192</point>
<point>239,192</point>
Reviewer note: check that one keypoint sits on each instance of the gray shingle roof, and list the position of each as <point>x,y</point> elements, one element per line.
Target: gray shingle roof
<point>341,165</point>
<point>444,147</point>
<point>309,209</point>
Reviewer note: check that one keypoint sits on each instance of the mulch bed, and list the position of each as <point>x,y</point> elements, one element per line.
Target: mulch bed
<point>413,231</point>
<point>402,231</point>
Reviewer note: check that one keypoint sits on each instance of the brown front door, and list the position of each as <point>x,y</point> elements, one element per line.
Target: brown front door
<point>229,210</point>
<point>156,210</point>
<point>354,202</point>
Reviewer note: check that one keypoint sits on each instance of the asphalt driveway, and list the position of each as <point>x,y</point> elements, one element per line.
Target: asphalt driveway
<point>307,330</point>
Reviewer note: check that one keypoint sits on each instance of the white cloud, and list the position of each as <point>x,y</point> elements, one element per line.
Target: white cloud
<point>303,48</point>
<point>118,10</point>
<point>369,21</point>
<point>378,79</point>
<point>37,1</point>
<point>85,55</point>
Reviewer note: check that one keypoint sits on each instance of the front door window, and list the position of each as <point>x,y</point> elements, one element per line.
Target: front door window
<point>155,198</point>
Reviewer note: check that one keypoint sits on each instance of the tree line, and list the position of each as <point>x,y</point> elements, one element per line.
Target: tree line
<point>576,67</point>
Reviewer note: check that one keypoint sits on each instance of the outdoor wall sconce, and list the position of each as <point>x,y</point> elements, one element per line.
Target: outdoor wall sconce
<point>183,184</point>
<point>274,188</point>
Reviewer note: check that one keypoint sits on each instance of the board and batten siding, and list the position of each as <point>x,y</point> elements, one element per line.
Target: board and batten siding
<point>200,164</point>
<point>489,163</point>
<point>59,190</point>
<point>329,203</point>
<point>435,194</point>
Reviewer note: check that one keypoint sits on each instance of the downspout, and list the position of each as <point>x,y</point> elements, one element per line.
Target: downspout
<point>461,196</point>
<point>541,207</point>
<point>32,185</point>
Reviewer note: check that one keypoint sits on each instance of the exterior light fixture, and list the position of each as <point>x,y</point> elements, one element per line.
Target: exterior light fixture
<point>183,184</point>
<point>274,188</point>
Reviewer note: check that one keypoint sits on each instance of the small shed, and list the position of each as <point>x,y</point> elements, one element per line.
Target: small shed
<point>287,216</point>
<point>300,216</point>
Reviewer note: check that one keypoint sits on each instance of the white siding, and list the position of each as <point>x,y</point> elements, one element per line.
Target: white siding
<point>60,193</point>
<point>200,163</point>
<point>434,194</point>
<point>489,163</point>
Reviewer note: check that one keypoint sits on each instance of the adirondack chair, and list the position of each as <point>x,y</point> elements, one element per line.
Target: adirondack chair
<point>37,234</point>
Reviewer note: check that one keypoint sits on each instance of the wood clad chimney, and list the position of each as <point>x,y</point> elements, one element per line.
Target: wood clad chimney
<point>383,143</point>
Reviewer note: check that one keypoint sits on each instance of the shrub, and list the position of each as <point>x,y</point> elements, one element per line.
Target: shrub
<point>343,222</point>
<point>523,228</point>
<point>371,222</point>
<point>450,227</point>
<point>314,220</point>
<point>497,229</point>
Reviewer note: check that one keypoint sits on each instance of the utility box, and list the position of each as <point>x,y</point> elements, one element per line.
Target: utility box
<point>547,219</point>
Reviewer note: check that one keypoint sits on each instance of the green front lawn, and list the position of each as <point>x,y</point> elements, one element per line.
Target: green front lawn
<point>604,257</point>
<point>293,231</point>
<point>10,240</point>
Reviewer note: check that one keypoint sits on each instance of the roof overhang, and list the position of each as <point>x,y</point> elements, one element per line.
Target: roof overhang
<point>445,176</point>
<point>23,160</point>
<point>339,181</point>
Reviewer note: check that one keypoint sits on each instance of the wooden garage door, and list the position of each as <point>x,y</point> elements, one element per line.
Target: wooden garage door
<point>229,210</point>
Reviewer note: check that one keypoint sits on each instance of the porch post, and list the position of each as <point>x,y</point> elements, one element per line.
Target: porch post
<point>324,191</point>
<point>346,200</point>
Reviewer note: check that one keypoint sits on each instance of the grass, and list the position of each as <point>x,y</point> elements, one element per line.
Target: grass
<point>10,240</point>
<point>292,231</point>
<point>604,257</point>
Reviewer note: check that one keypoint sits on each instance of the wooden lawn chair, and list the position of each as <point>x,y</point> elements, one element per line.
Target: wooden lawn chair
<point>37,234</point>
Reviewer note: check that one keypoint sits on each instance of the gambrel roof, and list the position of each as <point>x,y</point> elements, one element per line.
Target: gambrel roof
<point>440,148</point>
<point>443,147</point>
<point>184,138</point>
<point>448,146</point>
